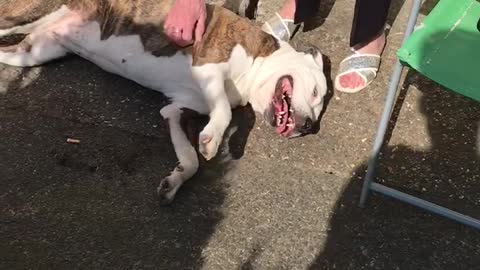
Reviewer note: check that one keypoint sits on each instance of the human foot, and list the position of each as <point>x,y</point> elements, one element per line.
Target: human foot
<point>358,70</point>
<point>288,10</point>
<point>282,24</point>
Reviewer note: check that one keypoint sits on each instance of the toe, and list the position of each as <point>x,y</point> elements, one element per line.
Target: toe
<point>351,80</point>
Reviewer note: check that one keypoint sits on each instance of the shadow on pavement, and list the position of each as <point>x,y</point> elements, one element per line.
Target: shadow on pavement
<point>388,234</point>
<point>92,205</point>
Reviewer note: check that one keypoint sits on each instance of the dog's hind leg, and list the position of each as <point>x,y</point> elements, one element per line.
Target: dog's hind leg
<point>186,154</point>
<point>10,25</point>
<point>34,50</point>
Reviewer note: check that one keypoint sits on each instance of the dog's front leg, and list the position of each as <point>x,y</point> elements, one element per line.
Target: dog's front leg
<point>186,154</point>
<point>211,81</point>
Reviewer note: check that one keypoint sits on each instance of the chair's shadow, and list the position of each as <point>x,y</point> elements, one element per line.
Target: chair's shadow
<point>391,235</point>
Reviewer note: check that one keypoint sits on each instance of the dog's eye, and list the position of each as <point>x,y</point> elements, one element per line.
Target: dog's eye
<point>315,92</point>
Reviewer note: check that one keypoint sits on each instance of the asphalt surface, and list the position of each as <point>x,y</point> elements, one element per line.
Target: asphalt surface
<point>264,203</point>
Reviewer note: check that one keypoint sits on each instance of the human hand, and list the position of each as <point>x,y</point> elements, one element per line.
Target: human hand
<point>185,17</point>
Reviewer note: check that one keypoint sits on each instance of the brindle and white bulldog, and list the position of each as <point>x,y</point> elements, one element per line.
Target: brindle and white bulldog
<point>236,63</point>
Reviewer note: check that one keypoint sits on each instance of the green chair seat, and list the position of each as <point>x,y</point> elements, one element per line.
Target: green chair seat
<point>446,47</point>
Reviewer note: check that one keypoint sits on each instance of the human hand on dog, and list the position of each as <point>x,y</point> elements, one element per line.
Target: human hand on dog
<point>185,17</point>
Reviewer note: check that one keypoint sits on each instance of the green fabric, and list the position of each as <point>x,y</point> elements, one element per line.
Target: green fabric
<point>446,47</point>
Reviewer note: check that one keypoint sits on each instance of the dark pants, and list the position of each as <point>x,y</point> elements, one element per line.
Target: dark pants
<point>369,18</point>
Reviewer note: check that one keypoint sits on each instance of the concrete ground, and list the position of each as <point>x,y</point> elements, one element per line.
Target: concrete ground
<point>266,203</point>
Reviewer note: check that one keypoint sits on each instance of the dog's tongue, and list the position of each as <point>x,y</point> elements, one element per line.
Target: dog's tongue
<point>281,108</point>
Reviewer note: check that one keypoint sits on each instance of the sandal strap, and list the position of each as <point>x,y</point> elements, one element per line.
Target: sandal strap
<point>360,62</point>
<point>280,28</point>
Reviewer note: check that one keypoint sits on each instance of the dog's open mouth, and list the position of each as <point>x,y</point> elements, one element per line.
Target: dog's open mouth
<point>284,120</point>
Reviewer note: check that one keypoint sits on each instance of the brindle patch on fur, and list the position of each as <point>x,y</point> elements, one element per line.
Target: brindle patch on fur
<point>224,31</point>
<point>141,17</point>
<point>145,18</point>
<point>116,18</point>
<point>20,12</point>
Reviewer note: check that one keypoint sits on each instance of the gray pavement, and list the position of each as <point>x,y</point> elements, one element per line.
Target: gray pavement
<point>265,203</point>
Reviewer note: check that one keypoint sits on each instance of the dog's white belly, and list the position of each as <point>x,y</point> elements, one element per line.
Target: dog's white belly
<point>125,56</point>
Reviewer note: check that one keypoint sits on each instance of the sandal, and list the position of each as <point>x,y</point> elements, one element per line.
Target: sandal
<point>364,65</point>
<point>280,28</point>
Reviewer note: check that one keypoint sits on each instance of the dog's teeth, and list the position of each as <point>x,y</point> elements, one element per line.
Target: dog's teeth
<point>282,112</point>
<point>290,125</point>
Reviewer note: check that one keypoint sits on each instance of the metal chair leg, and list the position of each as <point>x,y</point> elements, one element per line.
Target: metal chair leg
<point>382,128</point>
<point>387,110</point>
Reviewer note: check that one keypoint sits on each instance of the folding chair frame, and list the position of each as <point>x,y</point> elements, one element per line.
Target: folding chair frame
<point>368,182</point>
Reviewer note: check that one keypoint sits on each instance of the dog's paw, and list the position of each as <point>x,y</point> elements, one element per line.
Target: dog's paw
<point>208,144</point>
<point>166,190</point>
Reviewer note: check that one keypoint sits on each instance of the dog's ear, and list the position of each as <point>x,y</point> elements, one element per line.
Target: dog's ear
<point>312,51</point>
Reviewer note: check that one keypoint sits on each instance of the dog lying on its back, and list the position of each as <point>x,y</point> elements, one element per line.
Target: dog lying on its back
<point>236,63</point>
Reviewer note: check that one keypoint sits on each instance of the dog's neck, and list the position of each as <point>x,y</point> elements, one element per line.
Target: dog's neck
<point>225,30</point>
